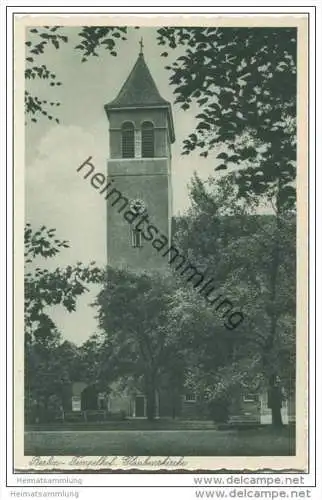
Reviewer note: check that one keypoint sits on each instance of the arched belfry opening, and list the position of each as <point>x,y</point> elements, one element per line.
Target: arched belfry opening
<point>147,140</point>
<point>127,140</point>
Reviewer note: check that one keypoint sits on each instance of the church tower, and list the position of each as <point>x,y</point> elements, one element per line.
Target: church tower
<point>141,132</point>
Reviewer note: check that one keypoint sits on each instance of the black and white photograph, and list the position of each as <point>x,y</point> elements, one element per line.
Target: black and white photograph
<point>165,241</point>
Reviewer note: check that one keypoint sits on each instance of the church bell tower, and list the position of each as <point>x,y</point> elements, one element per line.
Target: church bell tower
<point>141,132</point>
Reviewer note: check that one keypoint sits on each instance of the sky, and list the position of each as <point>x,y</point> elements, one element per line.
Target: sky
<point>55,194</point>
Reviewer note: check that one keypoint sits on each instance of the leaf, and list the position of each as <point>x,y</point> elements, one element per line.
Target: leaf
<point>202,101</point>
<point>223,156</point>
<point>233,159</point>
<point>221,167</point>
<point>203,126</point>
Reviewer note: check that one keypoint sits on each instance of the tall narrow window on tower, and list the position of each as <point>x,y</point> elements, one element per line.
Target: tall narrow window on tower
<point>136,237</point>
<point>147,140</point>
<point>127,140</point>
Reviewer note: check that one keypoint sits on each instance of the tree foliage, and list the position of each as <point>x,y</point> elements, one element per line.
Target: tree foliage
<point>133,312</point>
<point>91,40</point>
<point>239,249</point>
<point>50,366</point>
<point>243,81</point>
<point>49,363</point>
<point>44,288</point>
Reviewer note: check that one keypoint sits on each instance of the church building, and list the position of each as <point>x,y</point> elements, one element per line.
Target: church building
<point>141,133</point>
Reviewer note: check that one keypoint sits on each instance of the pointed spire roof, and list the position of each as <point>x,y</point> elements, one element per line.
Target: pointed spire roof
<point>139,88</point>
<point>140,91</point>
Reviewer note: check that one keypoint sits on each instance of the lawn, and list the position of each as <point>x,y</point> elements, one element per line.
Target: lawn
<point>255,442</point>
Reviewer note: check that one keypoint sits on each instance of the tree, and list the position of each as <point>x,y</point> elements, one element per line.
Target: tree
<point>140,342</point>
<point>47,369</point>
<point>50,367</point>
<point>243,80</point>
<point>236,246</point>
<point>205,344</point>
<point>45,288</point>
<point>91,40</point>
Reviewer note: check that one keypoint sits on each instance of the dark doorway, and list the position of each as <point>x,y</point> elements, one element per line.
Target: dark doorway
<point>89,398</point>
<point>140,406</point>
